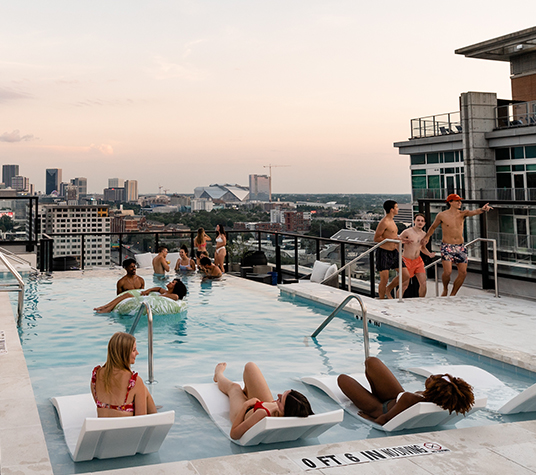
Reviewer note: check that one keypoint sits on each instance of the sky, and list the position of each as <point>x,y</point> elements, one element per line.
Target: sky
<point>182,93</point>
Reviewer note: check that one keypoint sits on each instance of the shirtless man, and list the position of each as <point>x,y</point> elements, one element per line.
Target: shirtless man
<point>452,247</point>
<point>130,281</point>
<point>160,264</point>
<point>387,254</point>
<point>411,254</point>
<point>211,270</point>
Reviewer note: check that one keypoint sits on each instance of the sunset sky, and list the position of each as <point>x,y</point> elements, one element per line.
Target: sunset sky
<point>187,93</point>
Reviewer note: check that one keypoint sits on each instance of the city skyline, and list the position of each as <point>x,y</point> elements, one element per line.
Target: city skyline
<point>178,95</point>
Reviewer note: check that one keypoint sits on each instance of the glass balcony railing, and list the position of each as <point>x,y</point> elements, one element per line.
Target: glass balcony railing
<point>435,193</point>
<point>515,115</point>
<point>498,194</point>
<point>434,125</point>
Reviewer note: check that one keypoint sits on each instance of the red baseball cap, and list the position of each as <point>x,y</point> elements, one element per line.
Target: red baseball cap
<point>453,197</point>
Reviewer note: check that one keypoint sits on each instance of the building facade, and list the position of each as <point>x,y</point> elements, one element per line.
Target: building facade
<point>81,185</point>
<point>89,220</point>
<point>116,182</point>
<point>52,180</point>
<point>8,172</point>
<point>259,187</point>
<point>20,183</point>
<point>131,190</point>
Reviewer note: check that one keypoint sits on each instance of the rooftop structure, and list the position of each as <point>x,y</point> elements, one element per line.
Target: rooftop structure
<point>222,193</point>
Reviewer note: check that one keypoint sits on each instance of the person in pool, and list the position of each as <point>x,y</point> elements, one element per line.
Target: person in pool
<point>211,271</point>
<point>130,281</point>
<point>117,391</point>
<point>389,399</point>
<point>175,290</point>
<point>184,263</point>
<point>255,402</point>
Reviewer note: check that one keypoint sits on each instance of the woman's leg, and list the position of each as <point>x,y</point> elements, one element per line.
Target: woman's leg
<point>363,399</point>
<point>236,396</point>
<point>255,385</point>
<point>110,306</point>
<point>383,383</point>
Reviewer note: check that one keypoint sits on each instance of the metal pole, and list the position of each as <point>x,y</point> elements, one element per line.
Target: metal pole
<point>495,273</point>
<point>82,251</point>
<point>343,263</point>
<point>278,260</point>
<point>372,276</point>
<point>400,296</point>
<point>120,249</point>
<point>259,240</point>
<point>295,257</point>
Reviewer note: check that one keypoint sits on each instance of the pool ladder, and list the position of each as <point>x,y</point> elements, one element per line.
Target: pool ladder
<point>363,316</point>
<point>150,363</point>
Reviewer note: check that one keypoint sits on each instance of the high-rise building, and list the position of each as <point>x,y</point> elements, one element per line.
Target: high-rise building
<point>81,185</point>
<point>20,183</point>
<point>259,187</point>
<point>131,190</point>
<point>116,195</point>
<point>116,182</point>
<point>8,172</point>
<point>52,180</point>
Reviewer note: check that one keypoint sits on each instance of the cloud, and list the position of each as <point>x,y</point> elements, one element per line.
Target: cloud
<point>9,95</point>
<point>188,47</point>
<point>15,137</point>
<point>169,70</point>
<point>104,149</point>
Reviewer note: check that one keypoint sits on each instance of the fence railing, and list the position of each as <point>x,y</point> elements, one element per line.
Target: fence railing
<point>24,221</point>
<point>515,115</point>
<point>434,125</point>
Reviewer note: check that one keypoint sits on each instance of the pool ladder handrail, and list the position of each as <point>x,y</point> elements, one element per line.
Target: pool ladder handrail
<point>364,317</point>
<point>9,287</point>
<point>495,271</point>
<point>364,254</point>
<point>149,312</point>
<point>10,255</point>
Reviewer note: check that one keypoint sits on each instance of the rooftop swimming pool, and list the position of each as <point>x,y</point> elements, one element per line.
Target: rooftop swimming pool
<point>229,320</point>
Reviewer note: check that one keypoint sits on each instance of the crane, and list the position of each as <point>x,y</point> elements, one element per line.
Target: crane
<point>270,168</point>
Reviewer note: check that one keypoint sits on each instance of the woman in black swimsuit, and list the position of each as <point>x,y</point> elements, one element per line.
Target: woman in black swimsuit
<point>255,402</point>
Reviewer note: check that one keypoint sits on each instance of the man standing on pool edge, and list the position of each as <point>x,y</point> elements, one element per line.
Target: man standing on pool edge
<point>452,246</point>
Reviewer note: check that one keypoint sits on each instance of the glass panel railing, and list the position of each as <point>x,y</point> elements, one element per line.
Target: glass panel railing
<point>434,125</point>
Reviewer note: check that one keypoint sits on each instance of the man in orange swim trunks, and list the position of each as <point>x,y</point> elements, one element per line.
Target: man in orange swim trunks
<point>413,246</point>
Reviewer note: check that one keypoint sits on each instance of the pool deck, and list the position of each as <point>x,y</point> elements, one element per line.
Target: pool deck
<point>502,329</point>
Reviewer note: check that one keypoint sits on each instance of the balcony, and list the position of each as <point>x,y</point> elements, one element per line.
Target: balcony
<point>436,125</point>
<point>519,114</point>
<point>496,194</point>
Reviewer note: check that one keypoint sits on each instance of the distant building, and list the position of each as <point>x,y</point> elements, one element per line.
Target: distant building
<point>52,180</point>
<point>8,172</point>
<point>354,236</point>
<point>79,219</point>
<point>117,195</point>
<point>202,204</point>
<point>268,227</point>
<point>20,183</point>
<point>180,200</point>
<point>116,182</point>
<point>222,193</point>
<point>71,194</point>
<point>131,190</point>
<point>296,221</point>
<point>259,187</point>
<point>405,213</point>
<point>81,185</point>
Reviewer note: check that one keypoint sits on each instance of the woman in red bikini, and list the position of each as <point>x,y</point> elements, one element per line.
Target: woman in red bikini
<point>200,242</point>
<point>255,402</point>
<point>117,391</point>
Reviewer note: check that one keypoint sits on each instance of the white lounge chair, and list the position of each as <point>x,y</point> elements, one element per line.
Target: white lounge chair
<point>482,380</point>
<point>269,429</point>
<point>89,436</point>
<point>421,415</point>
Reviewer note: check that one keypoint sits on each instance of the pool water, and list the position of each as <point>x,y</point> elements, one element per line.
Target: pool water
<point>230,320</point>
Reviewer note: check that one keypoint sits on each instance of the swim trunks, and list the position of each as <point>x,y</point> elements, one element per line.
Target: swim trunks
<point>386,260</point>
<point>456,253</point>
<point>414,266</point>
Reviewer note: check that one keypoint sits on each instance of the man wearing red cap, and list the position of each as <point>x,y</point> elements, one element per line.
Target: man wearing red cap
<point>452,248</point>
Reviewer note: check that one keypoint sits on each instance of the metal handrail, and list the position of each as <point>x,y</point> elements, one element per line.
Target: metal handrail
<point>364,254</point>
<point>20,289</point>
<point>14,257</point>
<point>150,362</point>
<point>338,309</point>
<point>495,267</point>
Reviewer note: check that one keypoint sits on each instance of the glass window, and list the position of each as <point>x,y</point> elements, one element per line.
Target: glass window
<point>433,181</point>
<point>418,182</point>
<point>531,180</point>
<point>418,172</point>
<point>449,157</point>
<point>449,170</point>
<point>502,154</point>
<point>503,168</point>
<point>531,167</point>
<point>504,180</point>
<point>532,225</point>
<point>517,152</point>
<point>417,159</point>
<point>506,224</point>
<point>461,155</point>
<point>530,151</point>
<point>432,158</point>
<point>518,168</point>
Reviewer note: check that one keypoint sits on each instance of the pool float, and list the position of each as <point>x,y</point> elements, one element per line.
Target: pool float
<point>159,305</point>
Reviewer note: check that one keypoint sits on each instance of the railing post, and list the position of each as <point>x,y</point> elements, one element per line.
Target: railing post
<point>296,257</point>
<point>317,249</point>
<point>486,281</point>
<point>82,251</point>
<point>120,249</point>
<point>343,263</point>
<point>156,241</point>
<point>259,240</point>
<point>278,260</point>
<point>372,276</point>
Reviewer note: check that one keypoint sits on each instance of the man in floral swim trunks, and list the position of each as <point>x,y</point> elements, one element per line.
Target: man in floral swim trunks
<point>452,247</point>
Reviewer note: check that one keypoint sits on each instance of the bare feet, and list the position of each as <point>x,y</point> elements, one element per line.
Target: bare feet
<point>220,368</point>
<point>100,310</point>
<point>445,292</point>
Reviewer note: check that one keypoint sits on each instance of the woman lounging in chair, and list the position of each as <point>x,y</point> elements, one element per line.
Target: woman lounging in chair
<point>255,402</point>
<point>389,399</point>
<point>117,391</point>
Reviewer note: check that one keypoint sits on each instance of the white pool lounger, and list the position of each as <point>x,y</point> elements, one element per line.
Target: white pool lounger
<point>481,379</point>
<point>269,429</point>
<point>421,415</point>
<point>89,437</point>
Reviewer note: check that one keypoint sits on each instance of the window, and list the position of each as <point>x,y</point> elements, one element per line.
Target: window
<point>530,151</point>
<point>449,157</point>
<point>418,182</point>
<point>504,180</point>
<point>503,168</point>
<point>517,152</point>
<point>502,154</point>
<point>506,224</point>
<point>434,182</point>
<point>418,172</point>
<point>417,159</point>
<point>432,157</point>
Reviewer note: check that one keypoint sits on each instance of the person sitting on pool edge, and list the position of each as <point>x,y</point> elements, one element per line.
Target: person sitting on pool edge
<point>175,290</point>
<point>211,270</point>
<point>131,281</point>
<point>255,402</point>
<point>117,391</point>
<point>389,399</point>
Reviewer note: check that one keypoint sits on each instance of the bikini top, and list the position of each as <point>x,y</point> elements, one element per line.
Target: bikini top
<point>203,245</point>
<point>259,405</point>
<point>219,239</point>
<point>124,407</point>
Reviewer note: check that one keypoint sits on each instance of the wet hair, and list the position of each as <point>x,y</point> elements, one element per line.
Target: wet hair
<point>389,205</point>
<point>449,393</point>
<point>180,289</point>
<point>185,249</point>
<point>419,214</point>
<point>120,347</point>
<point>221,231</point>
<point>161,248</point>
<point>205,261</point>
<point>297,405</point>
<point>128,261</point>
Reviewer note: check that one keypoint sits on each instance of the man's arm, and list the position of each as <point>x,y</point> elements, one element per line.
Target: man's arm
<point>435,224</point>
<point>378,235</point>
<point>120,285</point>
<point>484,209</point>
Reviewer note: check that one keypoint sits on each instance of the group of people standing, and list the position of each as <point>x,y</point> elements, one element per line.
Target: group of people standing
<point>415,239</point>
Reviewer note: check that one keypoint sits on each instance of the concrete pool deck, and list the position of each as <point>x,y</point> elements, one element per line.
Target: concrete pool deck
<point>502,329</point>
